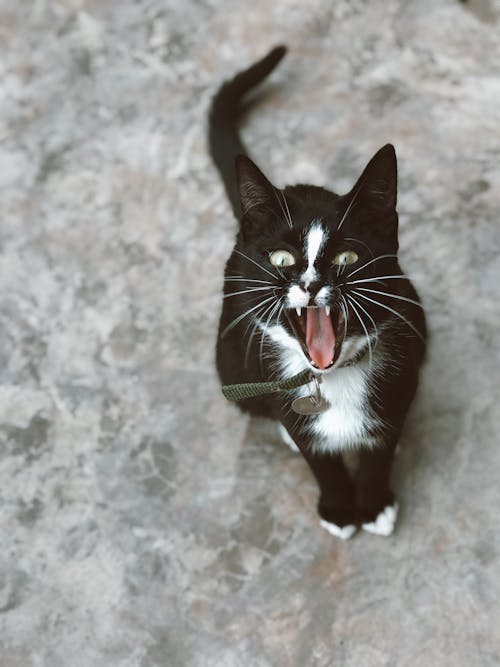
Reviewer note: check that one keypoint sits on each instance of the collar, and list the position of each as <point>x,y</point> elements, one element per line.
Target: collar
<point>237,392</point>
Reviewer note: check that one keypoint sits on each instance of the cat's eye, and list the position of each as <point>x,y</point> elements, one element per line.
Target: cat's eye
<point>344,258</point>
<point>281,258</point>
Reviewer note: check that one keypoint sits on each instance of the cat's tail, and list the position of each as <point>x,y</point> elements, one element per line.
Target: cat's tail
<point>224,140</point>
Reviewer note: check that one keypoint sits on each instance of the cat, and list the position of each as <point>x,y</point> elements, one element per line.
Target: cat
<point>314,284</point>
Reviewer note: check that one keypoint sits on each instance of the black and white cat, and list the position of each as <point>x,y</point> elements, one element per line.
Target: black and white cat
<point>313,282</point>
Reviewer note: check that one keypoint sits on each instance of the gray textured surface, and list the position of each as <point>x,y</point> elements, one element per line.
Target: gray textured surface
<point>144,521</point>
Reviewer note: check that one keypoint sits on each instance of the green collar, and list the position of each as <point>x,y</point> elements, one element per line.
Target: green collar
<point>236,392</point>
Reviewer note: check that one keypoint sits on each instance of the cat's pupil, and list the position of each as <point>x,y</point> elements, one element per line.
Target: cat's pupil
<point>281,258</point>
<point>346,257</point>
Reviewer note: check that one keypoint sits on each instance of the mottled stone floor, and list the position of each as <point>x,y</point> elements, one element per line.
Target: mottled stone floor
<point>143,521</point>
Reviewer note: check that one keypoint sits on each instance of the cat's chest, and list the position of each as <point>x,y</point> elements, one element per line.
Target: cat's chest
<point>348,420</point>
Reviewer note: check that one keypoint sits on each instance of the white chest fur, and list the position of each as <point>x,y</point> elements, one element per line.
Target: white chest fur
<point>348,420</point>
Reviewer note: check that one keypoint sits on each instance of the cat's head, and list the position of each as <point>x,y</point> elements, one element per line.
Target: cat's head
<point>301,252</point>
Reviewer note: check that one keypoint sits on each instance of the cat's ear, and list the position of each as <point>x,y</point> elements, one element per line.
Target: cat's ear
<point>378,184</point>
<point>257,194</point>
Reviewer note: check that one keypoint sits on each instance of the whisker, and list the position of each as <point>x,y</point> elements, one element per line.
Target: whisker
<point>285,218</point>
<point>252,334</point>
<point>247,291</point>
<point>368,315</point>
<point>391,296</point>
<point>281,312</point>
<point>239,279</point>
<point>290,221</point>
<point>351,204</point>
<point>264,330</point>
<point>273,275</point>
<point>282,209</point>
<point>345,311</point>
<point>368,264</point>
<point>376,279</point>
<point>365,330</point>
<point>255,322</point>
<point>348,238</point>
<point>259,324</point>
<point>395,312</point>
<point>238,319</point>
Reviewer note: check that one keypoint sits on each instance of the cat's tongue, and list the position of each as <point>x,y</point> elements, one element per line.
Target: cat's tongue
<point>320,337</point>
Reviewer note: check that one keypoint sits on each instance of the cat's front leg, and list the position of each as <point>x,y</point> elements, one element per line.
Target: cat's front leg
<point>337,494</point>
<point>376,503</point>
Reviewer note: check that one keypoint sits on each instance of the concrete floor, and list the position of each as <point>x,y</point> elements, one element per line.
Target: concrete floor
<point>144,522</point>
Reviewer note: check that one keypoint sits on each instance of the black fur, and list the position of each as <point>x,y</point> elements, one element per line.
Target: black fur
<point>369,228</point>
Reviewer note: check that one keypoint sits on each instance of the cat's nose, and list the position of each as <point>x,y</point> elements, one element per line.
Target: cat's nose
<point>311,287</point>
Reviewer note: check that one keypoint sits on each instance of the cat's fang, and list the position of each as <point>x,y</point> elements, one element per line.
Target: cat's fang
<point>298,311</point>
<point>327,310</point>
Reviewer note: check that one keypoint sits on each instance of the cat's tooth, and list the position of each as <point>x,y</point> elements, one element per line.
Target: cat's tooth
<point>298,311</point>
<point>327,310</point>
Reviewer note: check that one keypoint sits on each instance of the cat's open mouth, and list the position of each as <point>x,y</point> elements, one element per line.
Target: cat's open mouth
<point>320,332</point>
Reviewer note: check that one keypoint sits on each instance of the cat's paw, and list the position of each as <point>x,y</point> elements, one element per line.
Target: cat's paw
<point>287,439</point>
<point>344,532</point>
<point>384,522</point>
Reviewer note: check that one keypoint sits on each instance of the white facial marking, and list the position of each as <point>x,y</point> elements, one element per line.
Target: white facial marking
<point>314,240</point>
<point>322,296</point>
<point>297,298</point>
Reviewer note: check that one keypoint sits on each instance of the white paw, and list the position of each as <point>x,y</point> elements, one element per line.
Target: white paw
<point>384,523</point>
<point>285,436</point>
<point>344,532</point>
